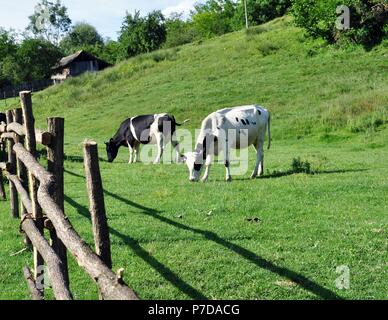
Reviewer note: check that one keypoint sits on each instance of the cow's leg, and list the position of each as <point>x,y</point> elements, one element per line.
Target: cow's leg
<point>130,153</point>
<point>137,150</point>
<point>209,161</point>
<point>259,168</point>
<point>160,144</point>
<point>175,145</point>
<point>227,161</point>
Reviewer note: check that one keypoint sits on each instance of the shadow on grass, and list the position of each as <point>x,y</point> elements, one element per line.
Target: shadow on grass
<point>282,174</point>
<point>295,277</point>
<point>164,271</point>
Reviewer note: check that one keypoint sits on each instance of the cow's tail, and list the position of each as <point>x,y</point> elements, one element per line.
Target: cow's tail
<point>269,131</point>
<point>182,124</point>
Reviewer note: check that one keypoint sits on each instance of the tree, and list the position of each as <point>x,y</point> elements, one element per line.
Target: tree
<point>260,11</point>
<point>142,34</point>
<point>82,36</point>
<point>8,49</point>
<point>367,20</point>
<point>35,59</point>
<point>49,21</point>
<point>178,31</point>
<point>213,18</point>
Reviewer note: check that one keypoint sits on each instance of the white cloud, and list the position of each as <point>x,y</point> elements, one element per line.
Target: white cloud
<point>184,7</point>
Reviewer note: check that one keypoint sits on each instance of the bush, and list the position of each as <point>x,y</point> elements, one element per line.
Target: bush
<point>260,11</point>
<point>300,166</point>
<point>319,17</point>
<point>142,34</point>
<point>179,32</point>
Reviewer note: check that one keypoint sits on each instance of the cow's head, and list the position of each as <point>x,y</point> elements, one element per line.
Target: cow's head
<point>194,162</point>
<point>111,150</point>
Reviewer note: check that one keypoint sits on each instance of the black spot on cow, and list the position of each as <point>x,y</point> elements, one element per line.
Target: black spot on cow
<point>227,164</point>
<point>259,112</point>
<point>243,122</point>
<point>247,121</point>
<point>237,119</point>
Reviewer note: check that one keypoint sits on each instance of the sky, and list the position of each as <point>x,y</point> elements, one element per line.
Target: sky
<point>105,15</point>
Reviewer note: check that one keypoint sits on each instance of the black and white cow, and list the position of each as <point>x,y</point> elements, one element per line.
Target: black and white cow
<point>234,128</point>
<point>157,129</point>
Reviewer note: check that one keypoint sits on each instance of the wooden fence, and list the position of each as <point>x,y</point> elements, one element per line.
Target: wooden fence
<point>13,91</point>
<point>37,198</point>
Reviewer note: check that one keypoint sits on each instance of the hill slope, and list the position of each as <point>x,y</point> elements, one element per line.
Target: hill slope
<point>178,240</point>
<point>310,88</point>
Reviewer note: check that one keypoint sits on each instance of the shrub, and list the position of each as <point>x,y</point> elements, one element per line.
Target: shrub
<point>319,17</point>
<point>300,166</point>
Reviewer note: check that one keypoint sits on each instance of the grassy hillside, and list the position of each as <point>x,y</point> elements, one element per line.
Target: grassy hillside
<point>181,240</point>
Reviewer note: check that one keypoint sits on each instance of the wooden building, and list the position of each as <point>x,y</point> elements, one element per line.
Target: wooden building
<point>76,64</point>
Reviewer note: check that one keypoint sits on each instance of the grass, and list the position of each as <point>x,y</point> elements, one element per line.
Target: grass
<point>321,204</point>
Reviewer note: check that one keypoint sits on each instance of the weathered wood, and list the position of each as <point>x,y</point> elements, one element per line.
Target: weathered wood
<point>35,293</point>
<point>96,202</point>
<point>109,285</point>
<point>3,127</point>
<point>6,166</point>
<point>13,195</point>
<point>3,195</point>
<point>54,264</point>
<point>23,193</point>
<point>10,135</point>
<point>41,136</point>
<point>30,142</point>
<point>22,174</point>
<point>55,159</point>
<point>16,128</point>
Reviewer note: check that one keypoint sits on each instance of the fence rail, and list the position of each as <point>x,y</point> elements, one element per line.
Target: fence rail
<point>37,197</point>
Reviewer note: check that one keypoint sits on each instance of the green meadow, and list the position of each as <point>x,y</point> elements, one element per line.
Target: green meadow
<point>282,236</point>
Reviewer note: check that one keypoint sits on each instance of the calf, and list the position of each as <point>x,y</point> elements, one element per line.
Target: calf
<point>249,122</point>
<point>156,129</point>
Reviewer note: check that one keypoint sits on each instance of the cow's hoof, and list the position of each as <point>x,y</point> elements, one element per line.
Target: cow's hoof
<point>253,177</point>
<point>203,180</point>
<point>229,179</point>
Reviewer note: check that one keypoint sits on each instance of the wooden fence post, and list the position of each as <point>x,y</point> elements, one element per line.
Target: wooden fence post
<point>22,172</point>
<point>96,201</point>
<point>3,195</point>
<point>55,158</point>
<point>13,195</point>
<point>29,126</point>
<point>3,155</point>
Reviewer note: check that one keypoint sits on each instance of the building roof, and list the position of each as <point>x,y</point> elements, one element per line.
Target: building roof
<point>81,56</point>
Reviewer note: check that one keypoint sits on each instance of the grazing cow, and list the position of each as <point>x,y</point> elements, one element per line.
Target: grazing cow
<point>235,128</point>
<point>156,129</point>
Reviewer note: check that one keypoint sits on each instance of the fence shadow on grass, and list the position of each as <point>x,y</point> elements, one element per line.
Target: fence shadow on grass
<point>295,277</point>
<point>282,174</point>
<point>164,271</point>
